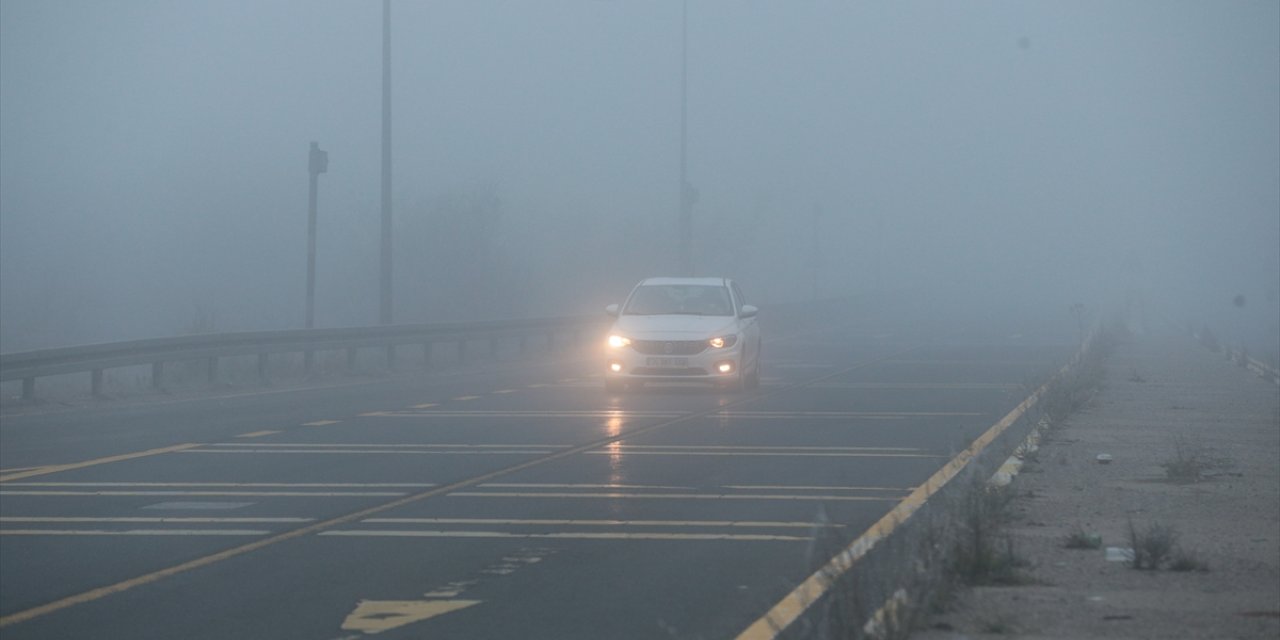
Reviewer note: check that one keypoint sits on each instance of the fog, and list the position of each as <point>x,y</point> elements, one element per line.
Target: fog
<point>1010,157</point>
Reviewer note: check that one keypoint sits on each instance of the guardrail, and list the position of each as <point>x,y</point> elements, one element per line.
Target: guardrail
<point>94,359</point>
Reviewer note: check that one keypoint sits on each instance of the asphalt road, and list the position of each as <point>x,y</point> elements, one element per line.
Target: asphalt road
<point>513,499</point>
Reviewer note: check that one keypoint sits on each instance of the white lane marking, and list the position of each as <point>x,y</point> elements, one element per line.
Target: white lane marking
<point>70,519</point>
<point>134,532</point>
<point>486,413</point>
<point>609,523</point>
<point>554,485</point>
<point>665,496</point>
<point>262,494</point>
<point>792,487</point>
<point>242,485</point>
<point>586,535</point>
<point>983,386</point>
<point>257,434</point>
<point>285,445</point>
<point>776,452</point>
<point>378,451</point>
<point>748,447</point>
<point>320,423</point>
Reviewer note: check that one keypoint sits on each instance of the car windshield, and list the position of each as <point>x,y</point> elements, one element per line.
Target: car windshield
<point>698,300</point>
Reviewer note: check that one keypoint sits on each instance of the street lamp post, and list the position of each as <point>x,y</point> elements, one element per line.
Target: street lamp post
<point>317,163</point>
<point>685,241</point>
<point>385,306</point>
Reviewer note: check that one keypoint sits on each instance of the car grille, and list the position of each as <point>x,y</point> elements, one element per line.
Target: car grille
<point>661,371</point>
<point>669,347</point>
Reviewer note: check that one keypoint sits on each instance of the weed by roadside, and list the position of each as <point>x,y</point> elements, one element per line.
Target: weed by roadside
<point>1152,546</point>
<point>1192,461</point>
<point>1078,538</point>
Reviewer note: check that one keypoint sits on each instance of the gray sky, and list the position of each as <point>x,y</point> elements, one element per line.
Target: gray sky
<point>153,157</point>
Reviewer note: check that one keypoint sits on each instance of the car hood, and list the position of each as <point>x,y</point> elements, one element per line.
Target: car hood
<point>674,327</point>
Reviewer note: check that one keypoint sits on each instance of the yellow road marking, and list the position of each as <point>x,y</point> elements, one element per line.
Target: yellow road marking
<point>794,604</point>
<point>256,434</point>
<point>320,423</point>
<point>376,616</point>
<point>571,535</point>
<point>501,391</point>
<point>134,532</point>
<point>17,469</point>
<point>607,523</point>
<point>57,468</point>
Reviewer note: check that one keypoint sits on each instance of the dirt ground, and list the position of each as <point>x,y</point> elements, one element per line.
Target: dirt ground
<point>1163,400</point>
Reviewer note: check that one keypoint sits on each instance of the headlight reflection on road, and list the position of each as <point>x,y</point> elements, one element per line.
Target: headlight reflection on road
<point>613,427</point>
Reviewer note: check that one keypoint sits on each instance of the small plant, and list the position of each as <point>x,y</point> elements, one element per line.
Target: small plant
<point>1185,560</point>
<point>1191,461</point>
<point>979,555</point>
<point>1081,539</point>
<point>1152,546</point>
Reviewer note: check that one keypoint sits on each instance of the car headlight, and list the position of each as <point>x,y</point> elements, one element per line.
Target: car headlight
<point>721,342</point>
<point>618,342</point>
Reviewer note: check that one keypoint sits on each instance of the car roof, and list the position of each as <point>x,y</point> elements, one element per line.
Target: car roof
<point>716,282</point>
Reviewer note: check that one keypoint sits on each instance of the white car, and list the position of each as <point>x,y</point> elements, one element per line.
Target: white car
<point>683,329</point>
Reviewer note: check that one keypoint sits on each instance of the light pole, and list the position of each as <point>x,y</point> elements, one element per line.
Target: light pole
<point>317,163</point>
<point>384,309</point>
<point>685,221</point>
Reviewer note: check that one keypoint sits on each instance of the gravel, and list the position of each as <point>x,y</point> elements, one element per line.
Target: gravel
<point>1163,401</point>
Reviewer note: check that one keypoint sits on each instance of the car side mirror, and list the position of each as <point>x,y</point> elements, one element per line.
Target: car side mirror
<point>749,311</point>
<point>612,310</point>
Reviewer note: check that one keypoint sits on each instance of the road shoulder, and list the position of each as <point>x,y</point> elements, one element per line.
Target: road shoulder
<point>1164,401</point>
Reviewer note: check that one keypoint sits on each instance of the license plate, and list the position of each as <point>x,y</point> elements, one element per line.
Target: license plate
<point>668,362</point>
